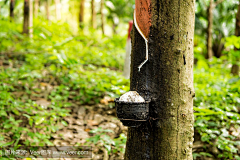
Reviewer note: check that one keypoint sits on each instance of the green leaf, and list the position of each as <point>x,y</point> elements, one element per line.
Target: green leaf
<point>3,113</point>
<point>64,123</point>
<point>108,147</point>
<point>6,144</point>
<point>39,120</point>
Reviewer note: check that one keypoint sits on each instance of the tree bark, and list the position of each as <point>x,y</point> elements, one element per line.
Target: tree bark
<point>235,68</point>
<point>36,6</point>
<point>93,17</point>
<point>102,17</point>
<point>30,18</point>
<point>26,17</point>
<point>47,10</point>
<point>210,9</point>
<point>58,9</point>
<point>167,80</point>
<point>209,29</point>
<point>12,4</point>
<point>81,14</point>
<point>114,31</point>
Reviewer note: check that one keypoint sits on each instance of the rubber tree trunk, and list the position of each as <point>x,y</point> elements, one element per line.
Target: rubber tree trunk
<point>126,69</point>
<point>36,7</point>
<point>26,10</point>
<point>12,4</point>
<point>30,18</point>
<point>209,30</point>
<point>102,16</point>
<point>114,31</point>
<point>81,14</point>
<point>47,10</point>
<point>210,10</point>
<point>235,68</point>
<point>93,16</point>
<point>58,9</point>
<point>166,79</point>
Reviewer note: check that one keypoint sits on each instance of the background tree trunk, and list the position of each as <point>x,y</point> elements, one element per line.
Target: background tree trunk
<point>58,9</point>
<point>36,6</point>
<point>81,13</point>
<point>166,79</point>
<point>102,17</point>
<point>30,18</point>
<point>209,30</point>
<point>114,28</point>
<point>12,4</point>
<point>210,10</point>
<point>93,20</point>
<point>235,68</point>
<point>47,10</point>
<point>26,17</point>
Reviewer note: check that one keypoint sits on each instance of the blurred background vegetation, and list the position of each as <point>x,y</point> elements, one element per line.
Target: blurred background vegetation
<point>59,56</point>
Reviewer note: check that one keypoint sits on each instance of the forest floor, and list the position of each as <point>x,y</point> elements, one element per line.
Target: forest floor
<point>83,119</point>
<point>43,105</point>
<point>81,123</point>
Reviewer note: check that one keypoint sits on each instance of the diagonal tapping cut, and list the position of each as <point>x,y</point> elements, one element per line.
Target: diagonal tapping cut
<point>146,41</point>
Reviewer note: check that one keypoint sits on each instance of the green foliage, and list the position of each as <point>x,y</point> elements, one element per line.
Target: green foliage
<point>57,67</point>
<point>79,62</point>
<point>223,22</point>
<point>102,139</point>
<point>224,16</point>
<point>234,54</point>
<point>217,106</point>
<point>119,9</point>
<point>17,118</point>
<point>82,69</point>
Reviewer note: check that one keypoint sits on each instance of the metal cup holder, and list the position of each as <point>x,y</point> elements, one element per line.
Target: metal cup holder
<point>132,114</point>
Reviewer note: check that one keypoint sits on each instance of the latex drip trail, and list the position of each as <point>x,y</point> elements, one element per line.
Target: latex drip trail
<point>146,41</point>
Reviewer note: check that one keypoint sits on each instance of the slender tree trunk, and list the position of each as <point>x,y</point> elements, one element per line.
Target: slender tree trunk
<point>102,16</point>
<point>235,68</point>
<point>211,7</point>
<point>36,6</point>
<point>12,4</point>
<point>93,17</point>
<point>114,28</point>
<point>58,9</point>
<point>209,29</point>
<point>81,14</point>
<point>26,17</point>
<point>167,80</point>
<point>30,18</point>
<point>47,10</point>
<point>126,71</point>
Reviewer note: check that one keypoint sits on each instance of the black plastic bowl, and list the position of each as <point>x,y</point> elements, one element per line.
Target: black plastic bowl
<point>132,114</point>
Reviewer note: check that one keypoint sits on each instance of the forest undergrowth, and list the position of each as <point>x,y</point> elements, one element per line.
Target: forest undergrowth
<point>58,88</point>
